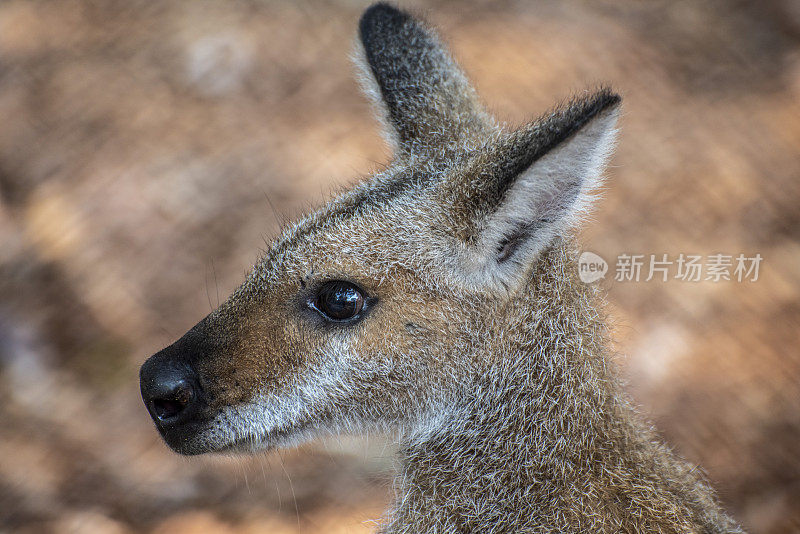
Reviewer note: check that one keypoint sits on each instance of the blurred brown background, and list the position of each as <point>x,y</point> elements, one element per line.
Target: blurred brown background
<point>148,148</point>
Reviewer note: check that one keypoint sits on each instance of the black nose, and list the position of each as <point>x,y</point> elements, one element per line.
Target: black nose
<point>170,399</point>
<point>169,391</point>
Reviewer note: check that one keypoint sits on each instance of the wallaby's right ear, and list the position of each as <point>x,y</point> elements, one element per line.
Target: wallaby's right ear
<point>427,103</point>
<point>525,189</point>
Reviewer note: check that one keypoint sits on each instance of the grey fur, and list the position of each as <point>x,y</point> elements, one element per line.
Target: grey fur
<point>480,349</point>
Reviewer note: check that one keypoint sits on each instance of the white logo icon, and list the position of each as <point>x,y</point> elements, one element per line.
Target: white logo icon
<point>591,267</point>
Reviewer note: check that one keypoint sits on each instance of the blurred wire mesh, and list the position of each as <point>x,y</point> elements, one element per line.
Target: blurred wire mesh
<point>148,148</point>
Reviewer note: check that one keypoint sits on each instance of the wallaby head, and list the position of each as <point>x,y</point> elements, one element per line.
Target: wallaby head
<point>366,313</point>
<point>439,299</point>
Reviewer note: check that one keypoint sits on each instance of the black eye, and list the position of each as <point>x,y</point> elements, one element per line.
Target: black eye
<point>339,301</point>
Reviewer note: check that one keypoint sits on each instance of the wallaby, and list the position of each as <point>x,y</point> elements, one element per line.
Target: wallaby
<point>439,300</point>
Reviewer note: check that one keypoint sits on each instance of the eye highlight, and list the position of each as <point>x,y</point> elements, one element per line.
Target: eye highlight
<point>338,301</point>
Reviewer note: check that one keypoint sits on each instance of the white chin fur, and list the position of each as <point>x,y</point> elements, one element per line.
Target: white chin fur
<point>284,418</point>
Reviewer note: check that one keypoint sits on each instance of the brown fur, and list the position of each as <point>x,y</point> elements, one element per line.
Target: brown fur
<point>478,346</point>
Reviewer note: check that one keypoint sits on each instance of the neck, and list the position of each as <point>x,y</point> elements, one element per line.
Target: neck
<point>544,440</point>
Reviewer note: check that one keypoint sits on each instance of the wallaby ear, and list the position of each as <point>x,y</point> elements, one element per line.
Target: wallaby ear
<point>425,101</point>
<point>527,188</point>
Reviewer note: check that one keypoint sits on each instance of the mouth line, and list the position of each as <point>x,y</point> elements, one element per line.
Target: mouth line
<point>255,442</point>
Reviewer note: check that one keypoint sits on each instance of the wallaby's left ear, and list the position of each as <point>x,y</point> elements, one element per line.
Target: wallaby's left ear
<point>526,189</point>
<point>426,101</point>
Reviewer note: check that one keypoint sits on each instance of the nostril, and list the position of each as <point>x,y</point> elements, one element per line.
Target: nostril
<point>171,404</point>
<point>166,409</point>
